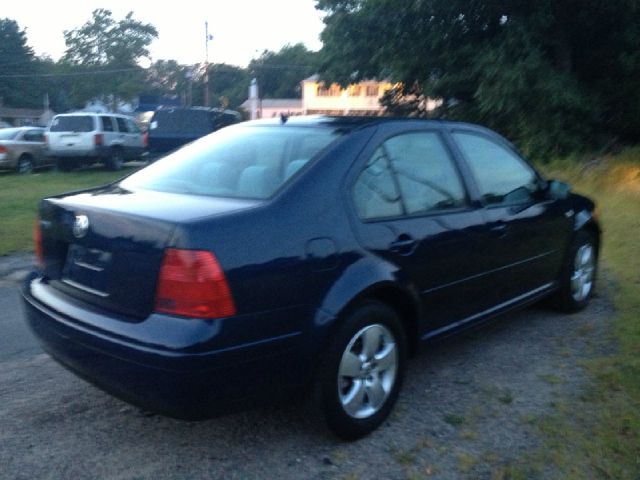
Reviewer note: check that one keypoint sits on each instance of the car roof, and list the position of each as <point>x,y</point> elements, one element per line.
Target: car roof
<point>85,114</point>
<point>24,127</point>
<point>355,122</point>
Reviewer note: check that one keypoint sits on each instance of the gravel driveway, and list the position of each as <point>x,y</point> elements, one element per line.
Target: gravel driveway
<point>469,409</point>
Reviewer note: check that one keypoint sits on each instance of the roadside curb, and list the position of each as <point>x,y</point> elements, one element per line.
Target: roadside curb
<point>14,268</point>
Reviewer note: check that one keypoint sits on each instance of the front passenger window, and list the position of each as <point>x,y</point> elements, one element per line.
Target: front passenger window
<point>502,177</point>
<point>122,125</point>
<point>34,136</point>
<point>132,127</point>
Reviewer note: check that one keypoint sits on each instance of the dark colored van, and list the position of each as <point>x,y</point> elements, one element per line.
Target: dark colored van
<point>171,128</point>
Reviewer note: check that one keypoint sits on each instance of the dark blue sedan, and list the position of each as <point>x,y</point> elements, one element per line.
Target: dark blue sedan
<point>310,253</point>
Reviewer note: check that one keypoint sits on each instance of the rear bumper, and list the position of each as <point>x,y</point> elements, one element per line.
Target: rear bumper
<point>179,367</point>
<point>7,161</point>
<point>88,153</point>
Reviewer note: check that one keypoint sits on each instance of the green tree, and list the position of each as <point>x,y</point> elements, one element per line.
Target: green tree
<point>168,77</point>
<point>104,54</point>
<point>18,67</point>
<point>229,85</point>
<point>554,75</point>
<point>279,73</point>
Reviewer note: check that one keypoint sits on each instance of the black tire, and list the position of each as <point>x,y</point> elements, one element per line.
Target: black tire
<point>25,164</point>
<point>378,375</point>
<point>578,277</point>
<point>115,160</point>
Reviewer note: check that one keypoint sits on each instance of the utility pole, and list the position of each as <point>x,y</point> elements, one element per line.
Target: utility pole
<point>206,64</point>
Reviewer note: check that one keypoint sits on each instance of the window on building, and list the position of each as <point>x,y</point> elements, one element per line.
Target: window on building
<point>372,91</point>
<point>332,91</point>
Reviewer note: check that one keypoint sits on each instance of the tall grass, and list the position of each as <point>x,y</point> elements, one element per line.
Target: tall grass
<point>603,441</point>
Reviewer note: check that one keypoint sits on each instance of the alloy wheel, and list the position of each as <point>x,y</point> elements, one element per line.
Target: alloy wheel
<point>367,371</point>
<point>583,272</point>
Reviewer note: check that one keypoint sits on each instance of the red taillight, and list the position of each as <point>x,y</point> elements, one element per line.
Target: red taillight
<point>37,237</point>
<point>145,139</point>
<point>46,139</point>
<point>98,139</point>
<point>3,149</point>
<point>192,284</point>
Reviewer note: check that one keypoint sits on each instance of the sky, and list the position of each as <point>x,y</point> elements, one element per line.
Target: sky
<point>241,29</point>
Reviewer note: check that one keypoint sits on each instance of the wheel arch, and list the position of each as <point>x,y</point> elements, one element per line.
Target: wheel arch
<point>404,303</point>
<point>586,220</point>
<point>28,156</point>
<point>365,286</point>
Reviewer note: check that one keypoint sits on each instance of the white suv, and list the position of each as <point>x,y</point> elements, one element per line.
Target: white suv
<point>80,138</point>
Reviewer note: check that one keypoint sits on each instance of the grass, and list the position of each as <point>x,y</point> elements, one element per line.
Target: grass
<point>20,194</point>
<point>600,437</point>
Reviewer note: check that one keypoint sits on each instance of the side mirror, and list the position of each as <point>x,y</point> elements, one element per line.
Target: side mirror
<point>558,190</point>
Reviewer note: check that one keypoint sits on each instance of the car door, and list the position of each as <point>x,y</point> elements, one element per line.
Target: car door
<point>35,138</point>
<point>109,130</point>
<point>125,140</point>
<point>413,211</point>
<point>135,139</point>
<point>529,228</point>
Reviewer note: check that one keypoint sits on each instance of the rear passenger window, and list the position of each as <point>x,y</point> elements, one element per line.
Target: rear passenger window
<point>420,172</point>
<point>34,136</point>
<point>376,193</point>
<point>107,125</point>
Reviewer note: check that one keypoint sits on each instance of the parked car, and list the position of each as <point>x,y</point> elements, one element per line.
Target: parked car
<point>74,139</point>
<point>171,128</point>
<point>312,253</point>
<point>21,149</point>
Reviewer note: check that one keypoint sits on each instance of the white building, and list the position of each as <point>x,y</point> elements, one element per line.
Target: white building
<point>358,99</point>
<point>362,98</point>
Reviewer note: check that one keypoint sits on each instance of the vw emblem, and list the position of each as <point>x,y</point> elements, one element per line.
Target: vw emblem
<point>80,226</point>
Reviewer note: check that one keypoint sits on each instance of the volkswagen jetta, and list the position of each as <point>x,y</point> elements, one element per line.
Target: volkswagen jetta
<point>310,253</point>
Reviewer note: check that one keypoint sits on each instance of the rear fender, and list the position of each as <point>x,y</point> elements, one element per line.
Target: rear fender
<point>366,279</point>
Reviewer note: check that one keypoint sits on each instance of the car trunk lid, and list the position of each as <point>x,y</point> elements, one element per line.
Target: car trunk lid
<point>105,247</point>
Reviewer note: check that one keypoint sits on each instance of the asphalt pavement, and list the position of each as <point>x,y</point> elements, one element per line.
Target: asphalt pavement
<point>16,339</point>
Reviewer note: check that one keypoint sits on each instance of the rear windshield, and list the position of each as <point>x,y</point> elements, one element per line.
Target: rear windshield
<point>236,162</point>
<point>198,122</point>
<point>8,133</point>
<point>74,123</point>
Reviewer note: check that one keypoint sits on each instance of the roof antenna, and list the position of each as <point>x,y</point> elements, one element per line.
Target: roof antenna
<point>283,118</point>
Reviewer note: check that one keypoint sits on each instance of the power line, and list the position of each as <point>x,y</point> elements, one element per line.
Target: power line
<point>220,68</point>
<point>71,74</point>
